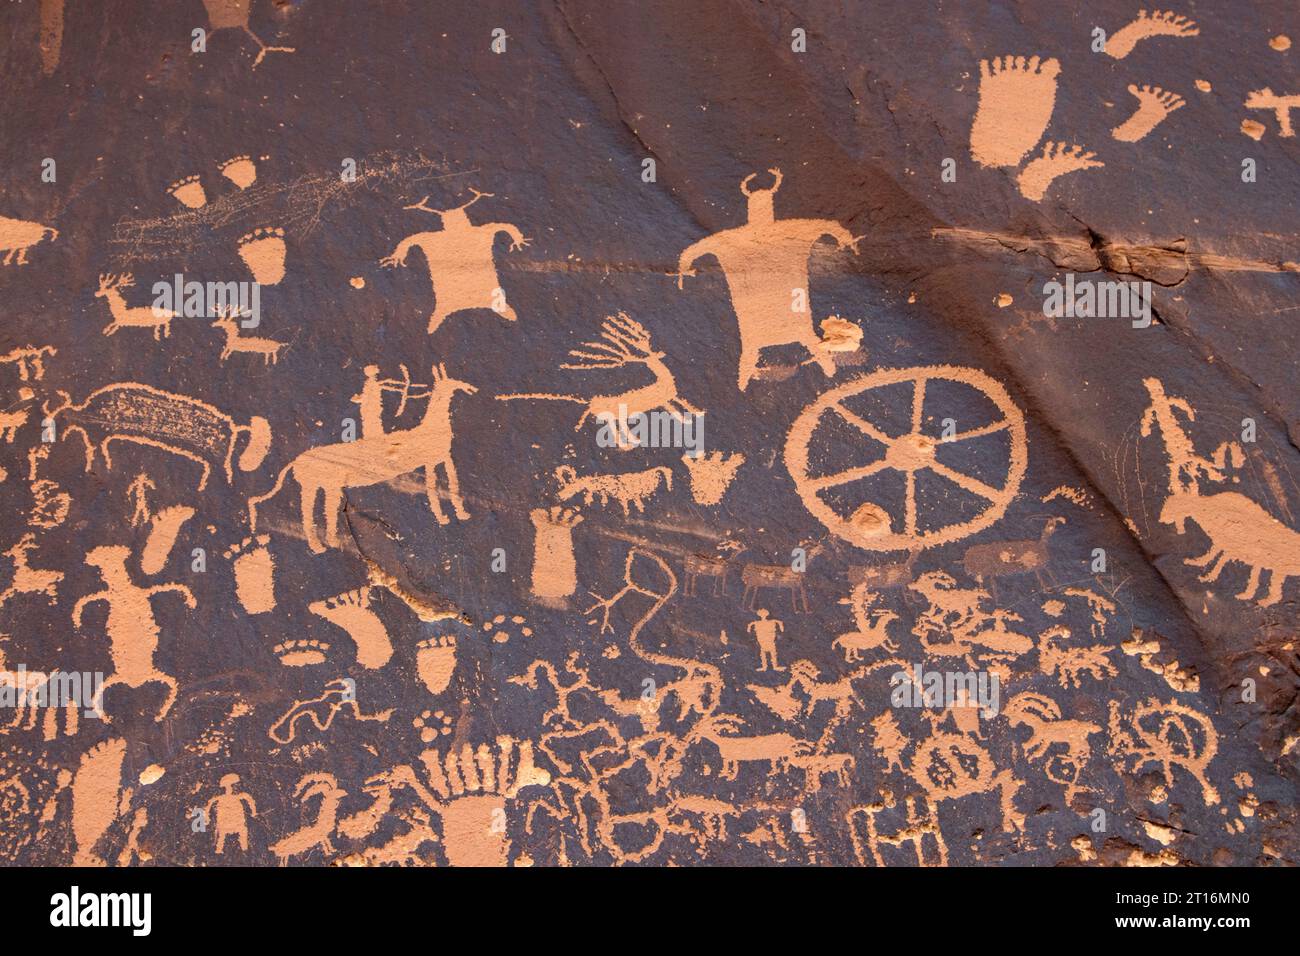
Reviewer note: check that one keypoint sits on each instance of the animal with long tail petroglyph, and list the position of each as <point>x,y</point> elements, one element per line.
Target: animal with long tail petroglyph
<point>329,470</point>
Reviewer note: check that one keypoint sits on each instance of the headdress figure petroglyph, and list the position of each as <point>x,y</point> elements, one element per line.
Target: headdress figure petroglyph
<point>1239,529</point>
<point>766,265</point>
<point>459,257</point>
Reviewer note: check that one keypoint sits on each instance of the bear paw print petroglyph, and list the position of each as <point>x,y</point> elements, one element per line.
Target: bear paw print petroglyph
<point>503,628</point>
<point>263,252</point>
<point>188,191</point>
<point>301,653</point>
<point>431,725</point>
<point>435,661</point>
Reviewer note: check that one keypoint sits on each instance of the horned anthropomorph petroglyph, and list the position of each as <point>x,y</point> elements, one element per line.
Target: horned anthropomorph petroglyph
<point>766,265</point>
<point>459,257</point>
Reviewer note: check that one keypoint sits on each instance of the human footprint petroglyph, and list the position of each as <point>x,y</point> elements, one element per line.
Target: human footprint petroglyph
<point>1156,23</point>
<point>1016,99</point>
<point>1154,104</point>
<point>1055,160</point>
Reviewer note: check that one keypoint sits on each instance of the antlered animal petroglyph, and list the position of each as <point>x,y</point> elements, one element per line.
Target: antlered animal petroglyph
<point>459,257</point>
<point>326,471</point>
<point>766,265</point>
<point>128,317</point>
<point>144,415</point>
<point>1016,99</point>
<point>269,349</point>
<point>624,342</point>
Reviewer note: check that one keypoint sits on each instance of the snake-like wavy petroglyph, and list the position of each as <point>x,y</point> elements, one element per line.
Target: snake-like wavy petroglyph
<point>459,257</point>
<point>144,415</point>
<point>1156,23</point>
<point>325,472</point>
<point>870,525</point>
<point>1154,105</point>
<point>1239,529</point>
<point>623,342</point>
<point>338,695</point>
<point>765,262</point>
<point>1016,99</point>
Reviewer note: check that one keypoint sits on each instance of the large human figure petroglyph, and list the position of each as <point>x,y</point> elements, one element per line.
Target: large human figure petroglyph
<point>766,265</point>
<point>330,469</point>
<point>459,257</point>
<point>132,628</point>
<point>1239,529</point>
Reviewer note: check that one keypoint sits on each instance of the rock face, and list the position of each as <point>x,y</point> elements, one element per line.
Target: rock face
<point>585,433</point>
